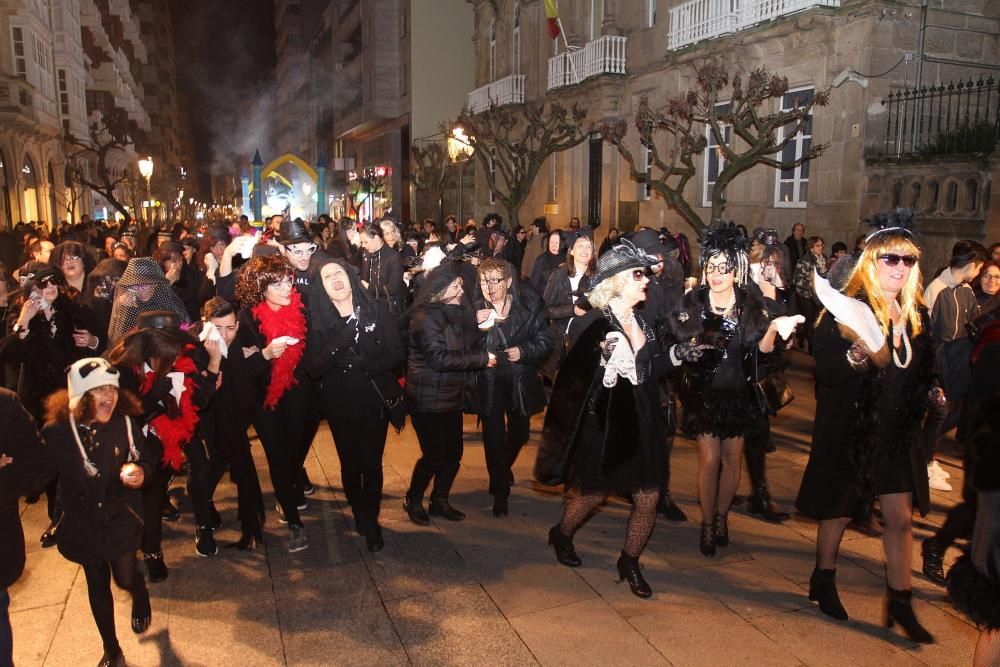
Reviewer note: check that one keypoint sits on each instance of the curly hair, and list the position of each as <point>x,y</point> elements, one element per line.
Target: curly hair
<point>257,274</point>
<point>608,289</point>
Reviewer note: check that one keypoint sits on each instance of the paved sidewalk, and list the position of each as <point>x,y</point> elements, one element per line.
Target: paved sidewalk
<point>489,591</point>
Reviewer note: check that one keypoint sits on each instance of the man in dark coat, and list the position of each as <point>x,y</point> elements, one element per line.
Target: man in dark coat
<point>382,270</point>
<point>22,460</point>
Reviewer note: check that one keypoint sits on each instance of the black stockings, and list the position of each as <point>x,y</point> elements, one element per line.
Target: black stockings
<point>640,521</point>
<point>987,649</point>
<point>126,574</point>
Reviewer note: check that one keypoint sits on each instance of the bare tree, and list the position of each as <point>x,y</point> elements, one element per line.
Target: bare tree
<point>431,172</point>
<point>676,134</point>
<point>108,137</point>
<point>515,140</point>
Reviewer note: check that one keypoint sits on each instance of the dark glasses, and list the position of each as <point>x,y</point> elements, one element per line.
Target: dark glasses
<point>892,259</point>
<point>50,280</point>
<point>639,274</point>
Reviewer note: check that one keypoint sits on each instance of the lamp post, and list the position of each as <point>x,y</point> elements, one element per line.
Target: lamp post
<point>146,169</point>
<point>459,150</point>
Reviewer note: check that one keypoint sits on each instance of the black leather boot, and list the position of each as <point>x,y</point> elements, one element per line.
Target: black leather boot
<point>933,560</point>
<point>155,567</point>
<point>707,544</point>
<point>759,503</point>
<point>142,612</point>
<point>628,570</point>
<point>669,509</point>
<point>899,609</point>
<point>414,508</point>
<point>563,545</point>
<point>823,589</point>
<point>440,507</point>
<point>721,529</point>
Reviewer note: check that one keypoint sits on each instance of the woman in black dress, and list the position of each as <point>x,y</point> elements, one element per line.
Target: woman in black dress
<point>513,320</point>
<point>605,430</point>
<point>353,349</point>
<point>98,452</point>
<point>716,332</point>
<point>564,296</point>
<point>869,410</point>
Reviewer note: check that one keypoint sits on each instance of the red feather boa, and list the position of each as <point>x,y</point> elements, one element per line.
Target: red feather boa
<point>288,320</point>
<point>175,432</point>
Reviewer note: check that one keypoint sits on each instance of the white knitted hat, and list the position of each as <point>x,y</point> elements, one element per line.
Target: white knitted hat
<point>87,374</point>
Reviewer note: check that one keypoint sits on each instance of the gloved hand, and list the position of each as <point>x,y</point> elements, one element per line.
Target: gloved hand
<point>158,394</point>
<point>690,351</point>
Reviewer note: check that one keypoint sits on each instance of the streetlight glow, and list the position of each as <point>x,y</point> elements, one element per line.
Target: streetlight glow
<point>146,167</point>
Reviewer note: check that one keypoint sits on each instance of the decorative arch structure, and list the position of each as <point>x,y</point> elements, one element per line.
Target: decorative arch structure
<point>270,167</point>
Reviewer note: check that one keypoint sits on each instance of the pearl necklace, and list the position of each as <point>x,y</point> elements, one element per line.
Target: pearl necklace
<point>723,310</point>
<point>904,339</point>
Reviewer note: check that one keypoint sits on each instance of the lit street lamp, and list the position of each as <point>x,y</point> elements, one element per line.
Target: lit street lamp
<point>459,150</point>
<point>146,169</point>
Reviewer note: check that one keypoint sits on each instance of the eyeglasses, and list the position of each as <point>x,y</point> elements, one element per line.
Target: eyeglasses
<point>298,252</point>
<point>892,259</point>
<point>721,269</point>
<point>491,281</point>
<point>991,276</point>
<point>70,258</point>
<point>639,274</point>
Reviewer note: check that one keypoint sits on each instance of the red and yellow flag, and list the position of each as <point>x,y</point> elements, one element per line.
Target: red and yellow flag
<point>552,13</point>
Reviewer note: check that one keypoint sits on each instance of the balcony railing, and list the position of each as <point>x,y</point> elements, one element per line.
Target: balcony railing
<point>696,20</point>
<point>508,90</point>
<point>604,55</point>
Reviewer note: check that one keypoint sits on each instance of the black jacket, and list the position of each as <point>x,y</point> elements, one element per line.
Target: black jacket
<point>259,368</point>
<point>22,443</point>
<point>561,299</point>
<point>445,349</point>
<point>102,518</point>
<point>383,271</point>
<point>343,369</point>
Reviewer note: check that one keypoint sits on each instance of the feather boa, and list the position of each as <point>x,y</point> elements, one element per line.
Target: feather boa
<point>288,320</point>
<point>175,432</point>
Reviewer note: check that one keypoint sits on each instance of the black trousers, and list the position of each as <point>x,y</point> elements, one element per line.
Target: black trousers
<point>755,449</point>
<point>360,444</point>
<point>204,471</point>
<point>154,492</point>
<point>504,433</point>
<point>243,473</point>
<point>441,448</point>
<point>280,431</point>
<point>102,605</point>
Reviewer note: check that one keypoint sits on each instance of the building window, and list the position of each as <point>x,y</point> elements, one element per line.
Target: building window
<point>493,50</point>
<point>515,41</point>
<point>493,174</point>
<point>596,18</point>
<point>646,188</point>
<point>650,13</point>
<point>715,159</point>
<point>63,94</point>
<point>791,187</point>
<point>20,63</point>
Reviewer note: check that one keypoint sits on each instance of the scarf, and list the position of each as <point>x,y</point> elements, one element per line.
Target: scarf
<point>175,432</point>
<point>286,321</point>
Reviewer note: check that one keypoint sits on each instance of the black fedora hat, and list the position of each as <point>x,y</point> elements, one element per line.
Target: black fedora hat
<point>293,231</point>
<point>163,321</point>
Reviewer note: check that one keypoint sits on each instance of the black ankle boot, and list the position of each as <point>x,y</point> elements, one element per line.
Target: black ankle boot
<point>155,567</point>
<point>669,509</point>
<point>247,542</point>
<point>628,570</point>
<point>565,553</point>
<point>759,503</point>
<point>112,658</point>
<point>933,560</point>
<point>440,507</point>
<point>142,612</point>
<point>707,545</point>
<point>415,510</point>
<point>823,589</point>
<point>720,526</point>
<point>899,609</point>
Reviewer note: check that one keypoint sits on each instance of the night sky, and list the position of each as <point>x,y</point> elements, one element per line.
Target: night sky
<point>225,63</point>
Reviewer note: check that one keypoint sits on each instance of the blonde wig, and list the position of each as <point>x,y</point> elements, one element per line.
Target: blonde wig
<point>609,289</point>
<point>864,278</point>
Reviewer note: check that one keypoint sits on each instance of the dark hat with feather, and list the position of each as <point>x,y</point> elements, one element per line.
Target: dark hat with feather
<point>726,238</point>
<point>900,221</point>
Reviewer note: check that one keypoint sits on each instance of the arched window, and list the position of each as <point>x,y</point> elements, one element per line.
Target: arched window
<point>913,200</point>
<point>493,50</point>
<point>897,194</point>
<point>931,199</point>
<point>515,41</point>
<point>30,179</point>
<point>971,195</point>
<point>951,196</point>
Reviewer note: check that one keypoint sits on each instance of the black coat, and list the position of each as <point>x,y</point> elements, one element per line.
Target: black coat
<point>22,443</point>
<point>102,518</point>
<point>259,368</point>
<point>860,414</point>
<point>231,408</point>
<point>445,350</point>
<point>383,271</point>
<point>561,299</point>
<point>343,369</point>
<point>525,328</point>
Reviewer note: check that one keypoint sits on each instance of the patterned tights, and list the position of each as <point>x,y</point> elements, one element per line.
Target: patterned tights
<point>640,521</point>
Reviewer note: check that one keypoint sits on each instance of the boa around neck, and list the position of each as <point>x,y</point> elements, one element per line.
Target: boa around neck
<point>177,430</point>
<point>288,320</point>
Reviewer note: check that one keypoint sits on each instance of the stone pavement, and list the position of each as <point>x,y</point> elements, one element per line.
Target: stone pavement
<point>489,591</point>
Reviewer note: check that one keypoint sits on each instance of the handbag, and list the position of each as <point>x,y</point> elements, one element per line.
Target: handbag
<point>395,408</point>
<point>772,390</point>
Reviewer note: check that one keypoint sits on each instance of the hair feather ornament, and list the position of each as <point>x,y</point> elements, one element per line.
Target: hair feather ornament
<point>725,238</point>
<point>900,221</point>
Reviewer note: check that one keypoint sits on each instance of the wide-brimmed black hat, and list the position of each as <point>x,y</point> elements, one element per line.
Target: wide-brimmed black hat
<point>620,258</point>
<point>293,231</point>
<point>648,240</point>
<point>163,321</point>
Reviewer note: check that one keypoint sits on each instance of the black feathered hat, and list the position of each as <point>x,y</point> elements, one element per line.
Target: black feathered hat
<point>724,237</point>
<point>900,221</point>
<point>620,258</point>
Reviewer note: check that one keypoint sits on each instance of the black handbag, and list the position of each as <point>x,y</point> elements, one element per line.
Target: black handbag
<point>395,408</point>
<point>772,390</point>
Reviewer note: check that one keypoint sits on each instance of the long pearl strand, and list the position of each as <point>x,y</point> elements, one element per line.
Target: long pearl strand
<point>904,339</point>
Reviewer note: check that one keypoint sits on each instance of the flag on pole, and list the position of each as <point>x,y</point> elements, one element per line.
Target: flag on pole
<point>552,13</point>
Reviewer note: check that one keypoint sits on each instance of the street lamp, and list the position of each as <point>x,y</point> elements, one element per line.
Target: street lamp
<point>459,150</point>
<point>146,169</point>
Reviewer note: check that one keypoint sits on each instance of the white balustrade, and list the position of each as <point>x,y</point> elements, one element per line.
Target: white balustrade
<point>604,55</point>
<point>696,20</point>
<point>508,90</point>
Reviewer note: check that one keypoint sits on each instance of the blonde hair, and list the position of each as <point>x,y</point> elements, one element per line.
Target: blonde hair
<point>609,288</point>
<point>864,278</point>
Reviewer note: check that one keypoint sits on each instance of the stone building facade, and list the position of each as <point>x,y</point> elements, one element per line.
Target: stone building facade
<point>808,41</point>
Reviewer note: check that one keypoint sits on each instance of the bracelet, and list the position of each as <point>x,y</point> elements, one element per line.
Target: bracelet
<point>673,357</point>
<point>856,364</point>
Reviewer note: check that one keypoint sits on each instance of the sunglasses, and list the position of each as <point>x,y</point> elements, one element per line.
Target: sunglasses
<point>639,274</point>
<point>892,259</point>
<point>50,280</point>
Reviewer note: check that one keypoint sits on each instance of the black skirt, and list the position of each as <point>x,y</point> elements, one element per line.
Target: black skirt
<point>724,413</point>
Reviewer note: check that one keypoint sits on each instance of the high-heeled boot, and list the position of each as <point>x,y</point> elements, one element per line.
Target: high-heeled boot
<point>707,544</point>
<point>563,545</point>
<point>823,589</point>
<point>628,570</point>
<point>721,529</point>
<point>899,609</point>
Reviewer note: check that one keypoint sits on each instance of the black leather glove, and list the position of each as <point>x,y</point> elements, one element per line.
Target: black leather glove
<point>690,352</point>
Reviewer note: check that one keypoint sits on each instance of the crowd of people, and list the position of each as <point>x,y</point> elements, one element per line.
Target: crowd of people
<point>140,355</point>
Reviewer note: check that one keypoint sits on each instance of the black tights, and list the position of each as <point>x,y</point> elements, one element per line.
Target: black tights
<point>126,574</point>
<point>640,521</point>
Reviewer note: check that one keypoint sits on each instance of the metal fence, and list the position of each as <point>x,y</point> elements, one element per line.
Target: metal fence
<point>953,118</point>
